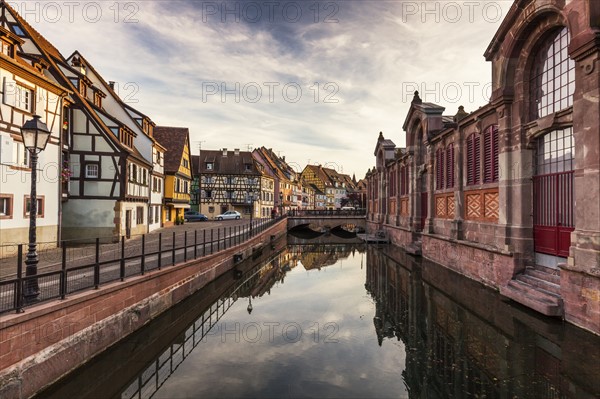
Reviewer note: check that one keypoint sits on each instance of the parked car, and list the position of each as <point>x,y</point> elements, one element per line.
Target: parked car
<point>229,215</point>
<point>194,216</point>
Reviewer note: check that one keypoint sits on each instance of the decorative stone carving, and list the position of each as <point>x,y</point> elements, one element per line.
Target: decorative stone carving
<point>588,66</point>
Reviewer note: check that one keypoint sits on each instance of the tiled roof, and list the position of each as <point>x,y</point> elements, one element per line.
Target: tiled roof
<point>231,164</point>
<point>174,140</point>
<point>319,171</point>
<point>35,35</point>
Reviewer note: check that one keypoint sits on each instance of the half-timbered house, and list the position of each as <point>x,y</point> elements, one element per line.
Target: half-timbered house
<point>111,157</point>
<point>157,179</point>
<point>177,172</point>
<point>27,89</point>
<point>264,158</point>
<point>107,155</point>
<point>508,194</point>
<point>267,192</point>
<point>228,181</point>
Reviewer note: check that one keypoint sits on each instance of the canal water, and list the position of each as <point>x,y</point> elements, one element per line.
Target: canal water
<point>344,321</point>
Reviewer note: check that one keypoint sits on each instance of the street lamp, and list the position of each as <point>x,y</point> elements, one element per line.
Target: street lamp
<point>249,308</point>
<point>35,136</point>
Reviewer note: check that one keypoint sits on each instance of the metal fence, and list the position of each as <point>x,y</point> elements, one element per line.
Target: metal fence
<point>327,212</point>
<point>130,259</point>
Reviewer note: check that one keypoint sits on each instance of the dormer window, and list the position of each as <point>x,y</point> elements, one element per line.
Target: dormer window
<point>7,48</point>
<point>98,99</point>
<point>82,88</point>
<point>17,29</point>
<point>210,166</point>
<point>126,137</point>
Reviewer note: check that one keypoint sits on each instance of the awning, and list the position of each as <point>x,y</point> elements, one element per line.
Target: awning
<point>178,206</point>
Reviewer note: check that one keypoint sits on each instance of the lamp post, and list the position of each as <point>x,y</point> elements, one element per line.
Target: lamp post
<point>35,136</point>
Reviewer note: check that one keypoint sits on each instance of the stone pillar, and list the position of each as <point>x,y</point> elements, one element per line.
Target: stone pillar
<point>515,186</point>
<point>580,277</point>
<point>459,196</point>
<point>430,189</point>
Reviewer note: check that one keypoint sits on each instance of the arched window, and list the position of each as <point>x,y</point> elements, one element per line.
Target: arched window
<point>552,81</point>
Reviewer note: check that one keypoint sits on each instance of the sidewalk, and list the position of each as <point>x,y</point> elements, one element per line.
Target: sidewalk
<point>84,254</point>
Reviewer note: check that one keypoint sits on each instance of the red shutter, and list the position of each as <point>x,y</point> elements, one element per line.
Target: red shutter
<point>496,173</point>
<point>470,160</point>
<point>450,166</point>
<point>488,151</point>
<point>476,159</point>
<point>439,168</point>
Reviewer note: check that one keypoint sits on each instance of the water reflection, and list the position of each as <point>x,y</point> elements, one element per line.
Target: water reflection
<point>463,342</point>
<point>331,320</point>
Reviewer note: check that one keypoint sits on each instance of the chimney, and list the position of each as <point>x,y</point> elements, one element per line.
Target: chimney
<point>224,152</point>
<point>236,152</point>
<point>111,84</point>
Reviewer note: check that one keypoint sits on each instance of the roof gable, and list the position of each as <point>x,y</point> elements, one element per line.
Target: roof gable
<point>174,139</point>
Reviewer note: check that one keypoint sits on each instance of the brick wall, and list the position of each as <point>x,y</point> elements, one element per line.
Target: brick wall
<point>49,340</point>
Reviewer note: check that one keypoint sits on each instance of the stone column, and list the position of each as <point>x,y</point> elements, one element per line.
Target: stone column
<point>459,207</point>
<point>515,186</point>
<point>580,277</point>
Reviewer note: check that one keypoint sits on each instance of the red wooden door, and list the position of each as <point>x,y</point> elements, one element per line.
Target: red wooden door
<point>553,213</point>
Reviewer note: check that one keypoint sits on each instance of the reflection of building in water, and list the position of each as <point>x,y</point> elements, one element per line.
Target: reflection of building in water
<point>463,341</point>
<point>255,283</point>
<point>316,256</point>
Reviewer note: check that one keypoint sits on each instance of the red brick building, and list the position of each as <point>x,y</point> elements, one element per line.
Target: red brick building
<point>508,194</point>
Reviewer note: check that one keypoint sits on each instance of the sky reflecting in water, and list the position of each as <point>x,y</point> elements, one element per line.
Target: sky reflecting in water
<point>312,335</point>
<point>335,321</point>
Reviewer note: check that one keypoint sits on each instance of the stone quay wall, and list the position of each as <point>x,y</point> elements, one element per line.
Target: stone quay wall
<point>48,341</point>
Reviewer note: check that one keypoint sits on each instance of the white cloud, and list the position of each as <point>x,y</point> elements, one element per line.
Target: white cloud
<point>374,55</point>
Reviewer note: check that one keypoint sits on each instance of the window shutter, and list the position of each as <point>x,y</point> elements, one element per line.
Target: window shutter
<point>450,166</point>
<point>496,173</point>
<point>9,88</point>
<point>488,173</point>
<point>470,179</point>
<point>490,144</point>
<point>476,159</point>
<point>439,169</point>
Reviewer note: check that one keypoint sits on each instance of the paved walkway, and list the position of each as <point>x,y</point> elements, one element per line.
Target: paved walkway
<point>79,255</point>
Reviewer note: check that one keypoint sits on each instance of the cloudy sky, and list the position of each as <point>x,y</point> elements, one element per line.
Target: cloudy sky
<point>314,81</point>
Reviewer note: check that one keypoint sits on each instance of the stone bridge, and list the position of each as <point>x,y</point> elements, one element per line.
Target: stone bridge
<point>327,219</point>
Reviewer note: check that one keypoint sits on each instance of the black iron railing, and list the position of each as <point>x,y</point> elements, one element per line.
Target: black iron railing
<point>327,212</point>
<point>129,258</point>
